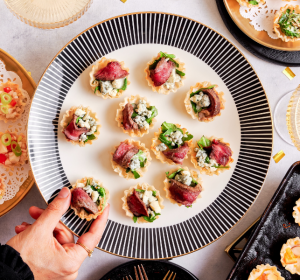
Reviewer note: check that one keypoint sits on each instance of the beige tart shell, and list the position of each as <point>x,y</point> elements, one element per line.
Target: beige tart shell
<point>265,270</point>
<point>247,4</point>
<point>20,105</point>
<point>82,214</point>
<point>159,155</point>
<point>276,25</point>
<point>204,170</point>
<point>290,255</point>
<point>194,175</point>
<point>296,212</point>
<point>162,89</point>
<point>196,87</point>
<point>67,118</point>
<point>2,187</point>
<point>119,118</point>
<point>122,171</point>
<point>141,186</point>
<point>99,65</point>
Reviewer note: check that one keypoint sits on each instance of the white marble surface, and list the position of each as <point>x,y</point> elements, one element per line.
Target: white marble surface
<point>35,48</point>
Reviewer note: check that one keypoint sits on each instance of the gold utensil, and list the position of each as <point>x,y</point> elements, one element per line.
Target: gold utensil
<point>170,277</point>
<point>140,273</point>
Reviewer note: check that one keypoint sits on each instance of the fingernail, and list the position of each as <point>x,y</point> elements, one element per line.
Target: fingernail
<point>64,193</point>
<point>20,226</point>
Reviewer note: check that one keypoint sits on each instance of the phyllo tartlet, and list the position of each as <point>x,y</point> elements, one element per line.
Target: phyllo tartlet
<point>2,188</point>
<point>265,272</point>
<point>251,3</point>
<point>142,203</point>
<point>165,73</point>
<point>296,212</point>
<point>136,116</point>
<point>290,255</point>
<point>109,78</point>
<point>89,198</point>
<point>171,144</point>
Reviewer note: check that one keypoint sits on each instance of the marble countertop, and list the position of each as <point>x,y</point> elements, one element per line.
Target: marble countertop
<point>35,48</point>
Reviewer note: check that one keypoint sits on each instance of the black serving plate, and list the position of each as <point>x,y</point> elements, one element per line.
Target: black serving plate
<point>155,270</point>
<point>275,227</point>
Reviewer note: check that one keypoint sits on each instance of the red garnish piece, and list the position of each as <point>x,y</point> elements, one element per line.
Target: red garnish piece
<point>13,103</point>
<point>7,89</point>
<point>2,158</point>
<point>285,226</point>
<point>8,148</point>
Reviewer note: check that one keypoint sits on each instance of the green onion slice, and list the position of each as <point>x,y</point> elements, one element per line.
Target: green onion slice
<point>5,98</point>
<point>4,109</point>
<point>6,139</point>
<point>16,148</point>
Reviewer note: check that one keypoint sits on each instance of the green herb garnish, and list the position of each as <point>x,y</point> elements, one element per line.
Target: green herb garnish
<point>136,175</point>
<point>201,89</point>
<point>87,182</point>
<point>189,206</point>
<point>289,23</point>
<point>77,120</point>
<point>204,142</point>
<point>124,87</point>
<point>180,73</point>
<point>252,2</point>
<point>152,219</point>
<point>162,54</point>
<point>97,88</point>
<point>90,137</point>
<point>172,176</point>
<point>139,190</point>
<point>128,169</point>
<point>220,166</point>
<point>154,114</point>
<point>134,219</point>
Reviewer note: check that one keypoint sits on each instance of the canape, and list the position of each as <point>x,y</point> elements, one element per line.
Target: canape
<point>265,272</point>
<point>80,126</point>
<point>204,102</point>
<point>109,78</point>
<point>142,203</point>
<point>296,212</point>
<point>251,3</point>
<point>2,188</point>
<point>211,156</point>
<point>182,186</point>
<point>131,159</point>
<point>89,198</point>
<point>290,255</point>
<point>171,144</point>
<point>165,73</point>
<point>136,116</point>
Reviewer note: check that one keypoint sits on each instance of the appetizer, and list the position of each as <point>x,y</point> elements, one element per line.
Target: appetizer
<point>165,73</point>
<point>211,156</point>
<point>296,213</point>
<point>265,272</point>
<point>2,187</point>
<point>251,3</point>
<point>171,143</point>
<point>109,78</point>
<point>142,203</point>
<point>89,198</point>
<point>182,186</point>
<point>13,102</point>
<point>131,159</point>
<point>136,116</point>
<point>287,23</point>
<point>290,255</point>
<point>204,102</point>
<point>13,149</point>
<point>80,126</point>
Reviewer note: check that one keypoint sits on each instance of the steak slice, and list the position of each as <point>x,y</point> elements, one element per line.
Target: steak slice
<point>177,155</point>
<point>128,156</point>
<point>184,194</point>
<point>80,199</point>
<point>128,122</point>
<point>72,131</point>
<point>121,151</point>
<point>136,205</point>
<point>162,71</point>
<point>214,107</point>
<point>111,71</point>
<point>220,152</point>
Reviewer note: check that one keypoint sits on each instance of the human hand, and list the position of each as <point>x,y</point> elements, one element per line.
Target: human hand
<point>48,247</point>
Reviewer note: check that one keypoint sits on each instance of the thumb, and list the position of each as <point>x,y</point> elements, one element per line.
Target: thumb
<point>52,214</point>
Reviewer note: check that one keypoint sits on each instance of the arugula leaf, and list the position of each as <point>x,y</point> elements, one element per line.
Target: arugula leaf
<point>207,160</point>
<point>77,120</point>
<point>188,137</point>
<point>164,140</point>
<point>180,73</point>
<point>90,137</point>
<point>252,2</point>
<point>170,57</point>
<point>136,175</point>
<point>135,219</point>
<point>172,176</point>
<point>87,182</point>
<point>220,166</point>
<point>140,155</point>
<point>154,193</point>
<point>154,114</point>
<point>139,190</point>
<point>97,88</point>
<point>124,85</point>
<point>204,142</point>
<point>134,114</point>
<point>152,219</point>
<point>153,65</point>
<point>194,106</point>
<point>201,89</point>
<point>165,126</point>
<point>128,169</point>
<point>189,206</point>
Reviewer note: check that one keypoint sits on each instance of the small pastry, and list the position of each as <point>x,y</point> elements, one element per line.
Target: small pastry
<point>142,203</point>
<point>109,78</point>
<point>182,186</point>
<point>211,156</point>
<point>89,198</point>
<point>171,144</point>
<point>296,213</point>
<point>2,188</point>
<point>287,23</point>
<point>80,126</point>
<point>251,3</point>
<point>131,159</point>
<point>165,73</point>
<point>290,255</point>
<point>265,272</point>
<point>13,149</point>
<point>136,116</point>
<point>204,102</point>
<point>13,102</point>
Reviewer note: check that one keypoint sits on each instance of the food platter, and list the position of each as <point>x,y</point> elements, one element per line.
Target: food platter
<point>246,124</point>
<point>29,85</point>
<point>260,37</point>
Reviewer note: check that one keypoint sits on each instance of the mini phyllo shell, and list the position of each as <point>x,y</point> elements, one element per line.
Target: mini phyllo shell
<point>171,144</point>
<point>296,212</point>
<point>251,3</point>
<point>131,159</point>
<point>204,102</point>
<point>80,126</point>
<point>89,198</point>
<point>290,255</point>
<point>13,102</point>
<point>182,186</point>
<point>136,116</point>
<point>165,73</point>
<point>211,156</point>
<point>287,23</point>
<point>109,78</point>
<point>265,272</point>
<point>2,188</point>
<point>13,149</point>
<point>143,203</point>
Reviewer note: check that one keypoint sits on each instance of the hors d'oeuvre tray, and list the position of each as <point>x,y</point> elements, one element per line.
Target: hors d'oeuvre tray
<point>274,241</point>
<point>170,124</point>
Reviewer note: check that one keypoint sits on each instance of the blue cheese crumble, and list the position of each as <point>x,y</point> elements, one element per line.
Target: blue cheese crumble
<point>201,156</point>
<point>202,100</point>
<point>184,177</point>
<point>85,121</point>
<point>143,114</point>
<point>173,79</point>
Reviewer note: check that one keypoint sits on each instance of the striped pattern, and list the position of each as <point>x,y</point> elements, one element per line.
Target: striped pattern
<point>225,60</point>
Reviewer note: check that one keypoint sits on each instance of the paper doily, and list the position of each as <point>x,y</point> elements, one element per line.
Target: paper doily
<point>16,177</point>
<point>262,17</point>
